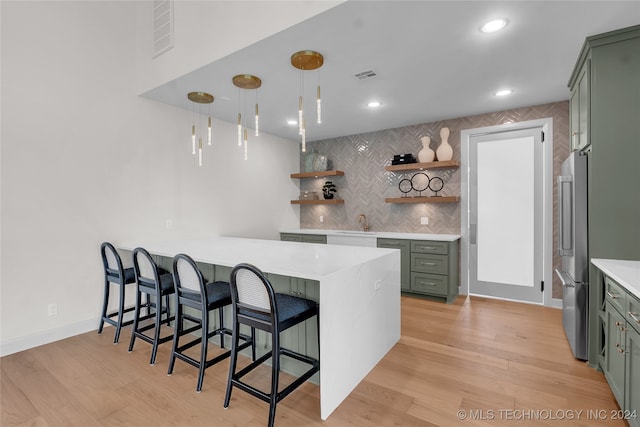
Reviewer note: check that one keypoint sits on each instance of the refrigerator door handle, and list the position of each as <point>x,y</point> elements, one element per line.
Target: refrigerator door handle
<point>565,279</point>
<point>565,215</point>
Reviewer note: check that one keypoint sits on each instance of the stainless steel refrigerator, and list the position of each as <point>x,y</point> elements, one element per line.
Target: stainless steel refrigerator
<point>572,245</point>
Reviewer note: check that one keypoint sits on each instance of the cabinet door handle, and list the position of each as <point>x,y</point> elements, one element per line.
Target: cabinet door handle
<point>427,263</point>
<point>635,317</point>
<point>612,295</point>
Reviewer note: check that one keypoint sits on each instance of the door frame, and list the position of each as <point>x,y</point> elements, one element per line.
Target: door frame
<point>547,199</point>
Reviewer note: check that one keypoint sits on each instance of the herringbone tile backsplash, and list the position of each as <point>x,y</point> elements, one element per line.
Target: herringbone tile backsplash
<point>366,184</point>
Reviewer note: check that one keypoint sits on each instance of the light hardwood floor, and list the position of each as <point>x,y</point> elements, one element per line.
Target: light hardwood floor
<point>495,362</point>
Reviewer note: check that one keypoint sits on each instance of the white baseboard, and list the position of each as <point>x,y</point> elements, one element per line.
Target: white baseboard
<point>45,337</point>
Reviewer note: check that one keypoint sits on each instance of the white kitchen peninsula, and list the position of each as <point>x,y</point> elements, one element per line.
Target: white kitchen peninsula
<point>359,297</point>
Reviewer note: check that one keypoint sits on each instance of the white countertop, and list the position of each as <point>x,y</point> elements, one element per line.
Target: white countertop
<point>381,234</point>
<point>359,296</point>
<point>303,260</point>
<point>625,273</point>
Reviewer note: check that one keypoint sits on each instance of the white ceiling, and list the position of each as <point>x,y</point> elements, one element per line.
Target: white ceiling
<point>431,61</point>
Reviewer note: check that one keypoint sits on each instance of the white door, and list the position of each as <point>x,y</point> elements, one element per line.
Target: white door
<point>505,183</point>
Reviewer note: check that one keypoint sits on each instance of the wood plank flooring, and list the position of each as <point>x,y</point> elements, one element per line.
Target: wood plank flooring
<point>489,362</point>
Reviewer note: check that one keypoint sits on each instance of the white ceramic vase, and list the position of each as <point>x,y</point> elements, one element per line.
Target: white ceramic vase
<point>426,155</point>
<point>444,151</point>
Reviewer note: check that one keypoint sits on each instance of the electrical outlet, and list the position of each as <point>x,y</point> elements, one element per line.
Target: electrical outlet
<point>168,223</point>
<point>424,220</point>
<point>52,309</point>
<point>321,218</point>
<point>378,284</point>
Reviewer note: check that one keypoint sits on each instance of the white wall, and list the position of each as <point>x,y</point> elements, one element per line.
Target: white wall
<point>84,159</point>
<point>206,31</point>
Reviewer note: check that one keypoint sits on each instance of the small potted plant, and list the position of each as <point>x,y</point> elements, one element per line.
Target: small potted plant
<point>328,189</point>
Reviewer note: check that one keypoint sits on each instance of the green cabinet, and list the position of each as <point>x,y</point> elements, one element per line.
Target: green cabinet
<point>405,259</point>
<point>428,268</point>
<point>619,356</point>
<point>632,385</point>
<point>632,355</point>
<point>604,123</point>
<point>305,238</point>
<point>579,108</point>
<point>614,368</point>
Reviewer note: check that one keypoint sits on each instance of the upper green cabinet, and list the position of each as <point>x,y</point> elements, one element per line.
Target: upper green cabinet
<point>579,109</point>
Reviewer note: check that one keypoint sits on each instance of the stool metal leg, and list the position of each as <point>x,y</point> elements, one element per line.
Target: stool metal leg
<point>105,304</point>
<point>235,338</point>
<point>275,376</point>
<point>203,349</point>
<point>177,331</point>
<point>120,314</point>
<point>156,332</point>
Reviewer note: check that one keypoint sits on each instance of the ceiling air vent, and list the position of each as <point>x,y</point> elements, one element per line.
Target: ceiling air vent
<point>162,26</point>
<point>365,75</point>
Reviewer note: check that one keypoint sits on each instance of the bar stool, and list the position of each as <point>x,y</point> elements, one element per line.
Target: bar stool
<point>156,283</point>
<point>192,291</point>
<point>114,273</point>
<point>256,304</point>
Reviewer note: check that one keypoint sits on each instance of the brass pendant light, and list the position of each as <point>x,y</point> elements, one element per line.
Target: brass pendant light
<point>199,98</point>
<point>306,60</point>
<point>244,82</point>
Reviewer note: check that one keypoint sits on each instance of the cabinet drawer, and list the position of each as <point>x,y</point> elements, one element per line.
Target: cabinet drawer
<point>289,237</point>
<point>429,283</point>
<point>615,294</point>
<point>427,263</point>
<point>632,311</point>
<point>429,247</point>
<point>314,238</point>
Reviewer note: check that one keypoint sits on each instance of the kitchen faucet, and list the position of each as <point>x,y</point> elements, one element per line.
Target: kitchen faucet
<point>362,219</point>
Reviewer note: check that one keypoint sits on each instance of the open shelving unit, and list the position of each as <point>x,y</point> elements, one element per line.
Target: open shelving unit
<point>446,164</point>
<point>318,174</point>
<point>423,166</point>
<point>318,202</point>
<point>423,199</point>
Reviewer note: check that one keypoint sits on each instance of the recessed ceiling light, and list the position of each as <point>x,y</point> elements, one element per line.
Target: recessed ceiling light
<point>374,104</point>
<point>292,122</point>
<point>494,25</point>
<point>504,92</point>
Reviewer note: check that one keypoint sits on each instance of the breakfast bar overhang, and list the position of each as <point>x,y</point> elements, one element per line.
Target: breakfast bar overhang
<point>359,296</point>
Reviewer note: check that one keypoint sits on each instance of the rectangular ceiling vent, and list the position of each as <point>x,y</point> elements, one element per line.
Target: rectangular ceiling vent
<point>365,75</point>
<point>162,26</point>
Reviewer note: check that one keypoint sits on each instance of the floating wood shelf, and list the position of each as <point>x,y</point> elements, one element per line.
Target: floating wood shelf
<point>422,166</point>
<point>318,174</point>
<point>318,202</point>
<point>439,199</point>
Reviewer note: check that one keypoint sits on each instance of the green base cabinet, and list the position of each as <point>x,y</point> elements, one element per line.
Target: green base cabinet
<point>615,357</point>
<point>632,356</point>
<point>632,387</point>
<point>428,269</point>
<point>620,345</point>
<point>305,238</point>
